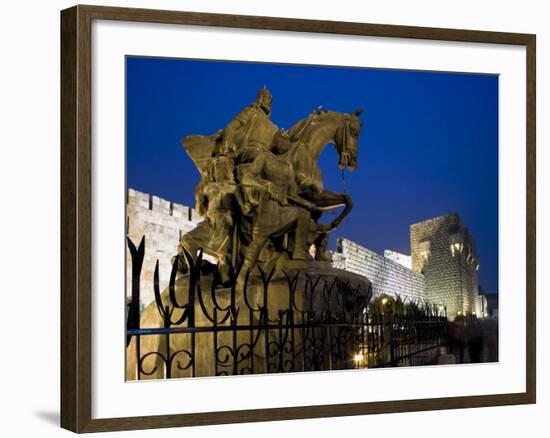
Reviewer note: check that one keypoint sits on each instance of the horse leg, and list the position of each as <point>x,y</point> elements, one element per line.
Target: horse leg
<point>327,200</point>
<point>268,226</point>
<point>321,248</point>
<point>300,234</point>
<point>347,210</point>
<point>259,239</point>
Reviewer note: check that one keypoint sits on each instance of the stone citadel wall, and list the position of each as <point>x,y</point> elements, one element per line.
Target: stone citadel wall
<point>162,223</point>
<point>387,276</point>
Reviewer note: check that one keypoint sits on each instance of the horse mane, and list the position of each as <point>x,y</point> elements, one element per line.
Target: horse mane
<point>296,131</point>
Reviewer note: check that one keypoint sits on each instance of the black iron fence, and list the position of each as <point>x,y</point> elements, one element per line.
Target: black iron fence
<point>259,323</point>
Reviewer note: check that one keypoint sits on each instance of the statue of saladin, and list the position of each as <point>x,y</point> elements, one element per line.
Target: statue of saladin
<point>261,192</point>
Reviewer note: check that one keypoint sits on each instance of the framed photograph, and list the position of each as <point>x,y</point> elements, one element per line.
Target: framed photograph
<point>268,218</point>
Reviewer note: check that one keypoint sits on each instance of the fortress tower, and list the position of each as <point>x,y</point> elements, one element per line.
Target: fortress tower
<point>443,250</point>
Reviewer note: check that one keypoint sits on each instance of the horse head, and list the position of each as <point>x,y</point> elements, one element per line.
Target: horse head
<point>346,139</point>
<point>323,127</point>
<point>309,137</point>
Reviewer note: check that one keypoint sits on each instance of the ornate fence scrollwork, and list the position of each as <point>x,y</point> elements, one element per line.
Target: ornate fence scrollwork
<point>298,322</point>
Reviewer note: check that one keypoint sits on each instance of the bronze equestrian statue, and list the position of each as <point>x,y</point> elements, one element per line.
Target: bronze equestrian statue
<point>265,206</point>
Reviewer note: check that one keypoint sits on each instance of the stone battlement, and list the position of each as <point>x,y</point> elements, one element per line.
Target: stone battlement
<point>145,201</point>
<point>163,223</point>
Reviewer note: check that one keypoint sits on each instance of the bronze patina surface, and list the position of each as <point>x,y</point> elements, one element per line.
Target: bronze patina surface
<point>261,191</point>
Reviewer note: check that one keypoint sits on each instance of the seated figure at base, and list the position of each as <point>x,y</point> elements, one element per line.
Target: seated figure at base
<point>218,200</point>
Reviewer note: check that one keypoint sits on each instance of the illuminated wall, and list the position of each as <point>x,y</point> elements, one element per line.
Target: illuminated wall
<point>402,259</point>
<point>443,250</point>
<point>387,276</point>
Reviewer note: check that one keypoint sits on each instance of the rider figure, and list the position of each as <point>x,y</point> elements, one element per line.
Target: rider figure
<point>251,131</point>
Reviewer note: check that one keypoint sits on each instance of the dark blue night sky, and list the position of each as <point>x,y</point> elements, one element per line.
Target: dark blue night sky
<point>429,144</point>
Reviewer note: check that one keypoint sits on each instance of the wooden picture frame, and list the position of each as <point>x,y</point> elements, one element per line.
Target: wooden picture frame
<point>76,218</point>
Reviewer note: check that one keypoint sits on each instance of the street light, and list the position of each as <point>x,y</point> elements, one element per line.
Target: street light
<point>358,360</point>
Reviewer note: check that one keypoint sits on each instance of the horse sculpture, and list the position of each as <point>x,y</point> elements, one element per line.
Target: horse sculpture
<point>309,137</point>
